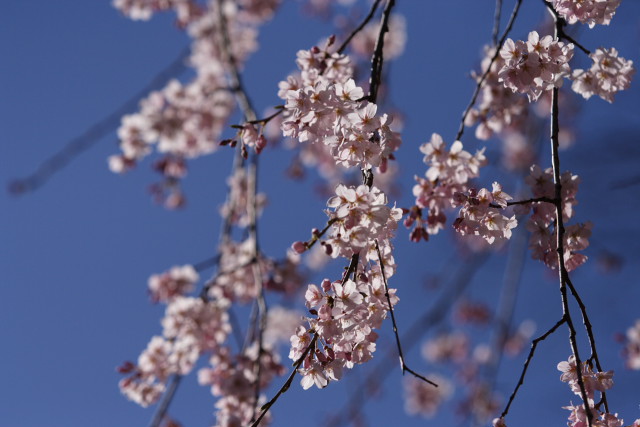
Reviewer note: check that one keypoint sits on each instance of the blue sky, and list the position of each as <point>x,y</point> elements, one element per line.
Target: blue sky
<point>76,254</point>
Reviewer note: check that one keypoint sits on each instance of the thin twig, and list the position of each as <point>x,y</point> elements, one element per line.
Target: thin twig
<point>359,28</point>
<point>403,363</point>
<point>476,91</point>
<point>561,34</point>
<point>92,135</point>
<point>525,202</point>
<point>534,344</point>
<point>265,408</point>
<point>589,329</point>
<point>279,110</point>
<point>436,314</point>
<point>316,236</point>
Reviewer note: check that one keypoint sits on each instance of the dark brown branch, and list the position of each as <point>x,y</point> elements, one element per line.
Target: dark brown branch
<point>560,231</point>
<point>359,28</point>
<point>317,235</point>
<point>265,408</point>
<point>534,344</point>
<point>378,54</point>
<point>476,91</point>
<point>525,202</point>
<point>561,23</point>
<point>95,132</point>
<point>403,363</point>
<point>280,109</point>
<point>592,339</point>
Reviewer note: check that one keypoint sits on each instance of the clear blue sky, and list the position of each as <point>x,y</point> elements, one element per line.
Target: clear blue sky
<point>75,255</point>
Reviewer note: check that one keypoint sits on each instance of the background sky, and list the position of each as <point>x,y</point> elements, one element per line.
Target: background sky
<point>76,254</point>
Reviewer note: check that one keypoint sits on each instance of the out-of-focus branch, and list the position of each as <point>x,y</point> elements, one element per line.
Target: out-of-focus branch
<point>95,132</point>
<point>163,407</point>
<point>496,22</point>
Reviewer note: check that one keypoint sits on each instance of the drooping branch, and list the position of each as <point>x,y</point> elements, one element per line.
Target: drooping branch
<point>403,363</point>
<point>378,54</point>
<point>359,28</point>
<point>428,320</point>
<point>561,23</point>
<point>534,345</point>
<point>480,82</point>
<point>265,408</point>
<point>592,340</point>
<point>560,231</point>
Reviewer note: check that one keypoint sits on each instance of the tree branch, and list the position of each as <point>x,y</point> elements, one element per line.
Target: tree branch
<point>403,363</point>
<point>94,133</point>
<point>534,344</point>
<point>359,28</point>
<point>265,408</point>
<point>476,91</point>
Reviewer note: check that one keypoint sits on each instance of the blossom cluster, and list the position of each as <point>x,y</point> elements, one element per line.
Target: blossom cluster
<point>448,174</point>
<point>360,217</point>
<point>325,106</point>
<point>423,398</point>
<point>608,75</point>
<point>592,382</point>
<point>536,65</point>
<point>190,326</point>
<point>543,241</point>
<point>498,108</point>
<point>232,379</point>
<point>178,281</point>
<point>480,214</point>
<point>185,120</point>
<point>590,12</point>
<point>346,312</point>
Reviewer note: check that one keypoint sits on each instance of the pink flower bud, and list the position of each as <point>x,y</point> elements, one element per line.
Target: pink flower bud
<point>299,247</point>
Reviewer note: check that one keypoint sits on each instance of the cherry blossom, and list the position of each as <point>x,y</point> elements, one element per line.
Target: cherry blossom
<point>480,214</point>
<point>608,75</point>
<point>590,12</point>
<point>448,174</point>
<point>499,109</point>
<point>324,106</point>
<point>534,66</point>
<point>178,281</point>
